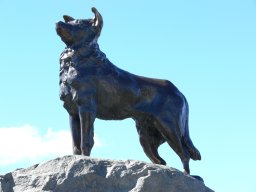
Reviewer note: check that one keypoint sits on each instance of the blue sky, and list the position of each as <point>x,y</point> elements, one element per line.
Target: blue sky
<point>206,48</point>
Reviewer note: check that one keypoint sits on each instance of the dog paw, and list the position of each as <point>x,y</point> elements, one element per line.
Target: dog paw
<point>76,151</point>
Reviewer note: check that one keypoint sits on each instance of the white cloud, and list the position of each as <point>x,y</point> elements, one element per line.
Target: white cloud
<point>26,143</point>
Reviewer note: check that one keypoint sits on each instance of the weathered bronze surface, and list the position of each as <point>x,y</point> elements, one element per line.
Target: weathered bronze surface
<point>92,87</point>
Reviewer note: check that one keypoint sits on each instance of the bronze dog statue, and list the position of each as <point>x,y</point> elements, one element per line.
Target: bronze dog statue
<point>92,87</point>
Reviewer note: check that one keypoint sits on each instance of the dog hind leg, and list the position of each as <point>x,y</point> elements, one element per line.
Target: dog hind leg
<point>169,132</point>
<point>150,142</point>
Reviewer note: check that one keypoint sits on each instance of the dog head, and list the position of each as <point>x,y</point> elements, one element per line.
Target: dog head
<point>75,31</point>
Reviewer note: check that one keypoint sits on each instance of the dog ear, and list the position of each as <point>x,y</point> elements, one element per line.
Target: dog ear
<point>97,21</point>
<point>68,18</point>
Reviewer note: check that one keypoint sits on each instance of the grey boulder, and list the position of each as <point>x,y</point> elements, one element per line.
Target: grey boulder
<point>84,174</point>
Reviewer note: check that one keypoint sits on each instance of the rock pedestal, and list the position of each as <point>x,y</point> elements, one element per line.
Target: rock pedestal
<point>84,174</point>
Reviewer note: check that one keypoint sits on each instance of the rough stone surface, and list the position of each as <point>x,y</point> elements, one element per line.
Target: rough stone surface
<point>84,174</point>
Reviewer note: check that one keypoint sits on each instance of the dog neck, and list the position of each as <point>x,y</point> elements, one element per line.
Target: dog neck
<point>88,53</point>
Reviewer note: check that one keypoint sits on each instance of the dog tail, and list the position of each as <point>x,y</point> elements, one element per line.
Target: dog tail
<point>187,142</point>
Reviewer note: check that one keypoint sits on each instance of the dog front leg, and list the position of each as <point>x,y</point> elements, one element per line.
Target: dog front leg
<point>76,133</point>
<point>86,122</point>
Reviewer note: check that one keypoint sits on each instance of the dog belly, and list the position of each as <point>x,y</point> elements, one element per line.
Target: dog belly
<point>112,114</point>
<point>116,99</point>
<point>114,105</point>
